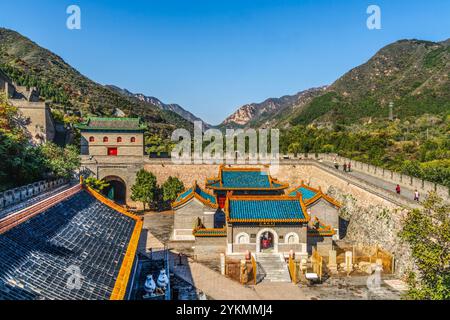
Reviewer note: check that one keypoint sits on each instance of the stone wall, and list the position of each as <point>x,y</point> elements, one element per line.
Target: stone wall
<point>40,123</point>
<point>290,173</point>
<point>123,169</point>
<point>100,148</point>
<point>375,225</point>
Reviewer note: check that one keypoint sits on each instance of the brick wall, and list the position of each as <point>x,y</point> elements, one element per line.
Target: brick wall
<point>100,148</point>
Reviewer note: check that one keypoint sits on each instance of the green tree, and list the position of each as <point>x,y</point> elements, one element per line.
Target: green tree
<point>145,190</point>
<point>294,148</point>
<point>96,184</point>
<point>171,188</point>
<point>427,231</point>
<point>60,162</point>
<point>21,163</point>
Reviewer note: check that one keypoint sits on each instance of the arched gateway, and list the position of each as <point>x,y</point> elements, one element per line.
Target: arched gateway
<point>267,241</point>
<point>117,189</point>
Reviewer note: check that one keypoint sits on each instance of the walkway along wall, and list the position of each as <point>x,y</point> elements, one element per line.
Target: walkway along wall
<point>385,174</point>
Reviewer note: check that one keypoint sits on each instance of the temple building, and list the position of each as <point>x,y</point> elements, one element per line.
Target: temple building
<point>194,207</point>
<point>249,210</point>
<point>244,181</point>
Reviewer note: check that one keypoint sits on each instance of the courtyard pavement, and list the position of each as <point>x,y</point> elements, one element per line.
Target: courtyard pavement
<point>218,287</point>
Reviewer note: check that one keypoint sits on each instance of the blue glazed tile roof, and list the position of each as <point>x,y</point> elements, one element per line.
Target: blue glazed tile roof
<point>240,178</point>
<point>282,209</point>
<point>205,195</point>
<point>191,192</point>
<point>245,179</point>
<point>306,193</point>
<point>222,232</point>
<point>184,195</point>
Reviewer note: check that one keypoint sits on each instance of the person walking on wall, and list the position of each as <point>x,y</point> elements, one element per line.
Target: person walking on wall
<point>416,195</point>
<point>397,189</point>
<point>345,166</point>
<point>349,166</point>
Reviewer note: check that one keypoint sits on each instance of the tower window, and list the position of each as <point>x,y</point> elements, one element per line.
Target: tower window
<point>91,139</point>
<point>133,139</point>
<point>119,139</point>
<point>105,139</point>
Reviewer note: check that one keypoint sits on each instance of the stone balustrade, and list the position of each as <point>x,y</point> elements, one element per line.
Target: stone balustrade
<point>387,175</point>
<point>20,194</point>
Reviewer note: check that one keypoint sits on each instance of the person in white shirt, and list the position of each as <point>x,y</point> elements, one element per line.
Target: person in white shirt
<point>416,195</point>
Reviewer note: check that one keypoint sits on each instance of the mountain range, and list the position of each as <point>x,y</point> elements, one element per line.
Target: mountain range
<point>263,114</point>
<point>173,107</point>
<point>26,63</point>
<point>413,75</point>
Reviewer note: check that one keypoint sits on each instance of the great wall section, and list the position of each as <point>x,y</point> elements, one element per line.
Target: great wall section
<point>374,211</point>
<point>370,205</point>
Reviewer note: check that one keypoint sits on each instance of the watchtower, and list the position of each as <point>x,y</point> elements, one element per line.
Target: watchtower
<point>112,149</point>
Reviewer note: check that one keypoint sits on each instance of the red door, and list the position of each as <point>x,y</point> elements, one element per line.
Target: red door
<point>222,201</point>
<point>112,151</point>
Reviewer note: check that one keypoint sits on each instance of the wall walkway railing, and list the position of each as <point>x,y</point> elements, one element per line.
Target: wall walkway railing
<point>15,196</point>
<point>381,173</point>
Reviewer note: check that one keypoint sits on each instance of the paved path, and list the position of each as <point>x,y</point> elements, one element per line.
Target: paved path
<point>406,193</point>
<point>212,283</point>
<point>218,287</point>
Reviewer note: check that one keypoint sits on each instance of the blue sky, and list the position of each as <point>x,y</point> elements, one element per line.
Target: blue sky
<point>212,56</point>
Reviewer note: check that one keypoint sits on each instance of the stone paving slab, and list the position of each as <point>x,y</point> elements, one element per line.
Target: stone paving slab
<point>213,284</point>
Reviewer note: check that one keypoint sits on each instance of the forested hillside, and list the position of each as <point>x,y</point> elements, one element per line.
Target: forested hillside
<point>28,64</point>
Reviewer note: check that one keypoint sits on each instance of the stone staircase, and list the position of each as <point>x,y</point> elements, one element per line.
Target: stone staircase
<point>272,268</point>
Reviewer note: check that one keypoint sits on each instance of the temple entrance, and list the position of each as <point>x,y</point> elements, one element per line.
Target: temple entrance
<point>267,242</point>
<point>116,190</point>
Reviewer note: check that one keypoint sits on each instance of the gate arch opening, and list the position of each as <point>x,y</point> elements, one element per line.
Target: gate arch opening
<point>117,189</point>
<point>267,241</point>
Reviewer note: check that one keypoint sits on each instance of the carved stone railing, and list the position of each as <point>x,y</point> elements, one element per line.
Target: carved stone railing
<point>19,217</point>
<point>15,196</point>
